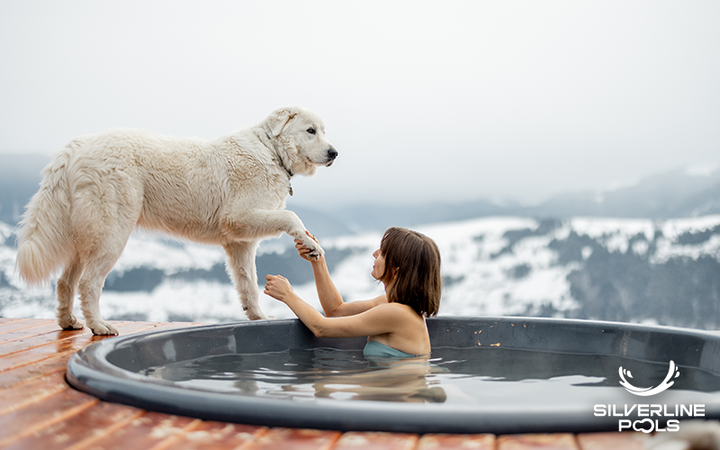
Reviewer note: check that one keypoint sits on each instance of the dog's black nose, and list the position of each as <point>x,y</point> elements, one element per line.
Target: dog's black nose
<point>332,153</point>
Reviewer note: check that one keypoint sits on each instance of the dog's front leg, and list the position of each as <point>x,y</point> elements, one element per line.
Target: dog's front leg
<point>241,268</point>
<point>263,224</point>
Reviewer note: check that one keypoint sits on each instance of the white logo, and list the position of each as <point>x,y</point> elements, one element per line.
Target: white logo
<point>649,417</point>
<point>673,372</point>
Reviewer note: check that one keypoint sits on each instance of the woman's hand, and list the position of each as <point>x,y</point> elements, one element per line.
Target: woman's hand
<point>278,287</point>
<point>304,251</point>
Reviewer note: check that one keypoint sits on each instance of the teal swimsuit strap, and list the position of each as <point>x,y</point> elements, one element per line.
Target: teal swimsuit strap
<point>377,349</point>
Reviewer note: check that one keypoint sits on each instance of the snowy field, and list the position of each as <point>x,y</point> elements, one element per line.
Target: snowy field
<point>487,270</point>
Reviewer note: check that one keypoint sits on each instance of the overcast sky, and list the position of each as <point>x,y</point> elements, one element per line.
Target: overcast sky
<point>423,100</point>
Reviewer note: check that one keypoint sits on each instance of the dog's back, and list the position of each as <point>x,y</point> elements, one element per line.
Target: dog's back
<point>85,188</point>
<point>176,185</point>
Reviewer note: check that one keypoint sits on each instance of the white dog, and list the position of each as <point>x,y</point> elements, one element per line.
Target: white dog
<point>230,191</point>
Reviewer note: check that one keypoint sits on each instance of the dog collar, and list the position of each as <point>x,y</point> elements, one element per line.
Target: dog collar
<point>289,174</point>
<point>282,164</point>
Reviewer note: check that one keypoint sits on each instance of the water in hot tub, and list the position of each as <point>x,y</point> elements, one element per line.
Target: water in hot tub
<point>485,377</point>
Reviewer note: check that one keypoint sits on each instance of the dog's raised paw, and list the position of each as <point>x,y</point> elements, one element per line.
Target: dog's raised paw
<point>315,252</point>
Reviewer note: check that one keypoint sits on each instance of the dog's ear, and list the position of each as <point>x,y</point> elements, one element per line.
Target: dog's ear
<point>279,118</point>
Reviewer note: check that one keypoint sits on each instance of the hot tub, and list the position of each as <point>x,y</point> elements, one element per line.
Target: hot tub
<point>485,375</point>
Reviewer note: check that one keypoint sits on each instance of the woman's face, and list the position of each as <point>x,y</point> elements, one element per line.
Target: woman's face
<point>379,265</point>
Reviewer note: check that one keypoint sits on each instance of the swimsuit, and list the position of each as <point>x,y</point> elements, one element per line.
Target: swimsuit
<point>378,350</point>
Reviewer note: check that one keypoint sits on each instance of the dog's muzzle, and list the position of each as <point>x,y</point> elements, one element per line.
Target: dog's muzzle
<point>331,155</point>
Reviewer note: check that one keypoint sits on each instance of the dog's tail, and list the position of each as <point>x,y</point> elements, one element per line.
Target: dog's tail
<point>44,241</point>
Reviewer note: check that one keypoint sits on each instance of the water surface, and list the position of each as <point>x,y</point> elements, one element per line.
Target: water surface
<point>492,377</point>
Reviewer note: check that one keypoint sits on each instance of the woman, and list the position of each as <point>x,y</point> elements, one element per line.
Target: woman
<point>408,265</point>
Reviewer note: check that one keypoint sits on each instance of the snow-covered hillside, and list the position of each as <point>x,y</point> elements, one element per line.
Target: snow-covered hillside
<point>639,270</point>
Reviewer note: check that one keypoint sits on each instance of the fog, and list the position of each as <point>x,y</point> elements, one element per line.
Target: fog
<point>513,100</point>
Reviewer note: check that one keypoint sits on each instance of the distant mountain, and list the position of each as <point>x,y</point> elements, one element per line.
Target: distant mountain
<point>674,194</point>
<point>366,217</point>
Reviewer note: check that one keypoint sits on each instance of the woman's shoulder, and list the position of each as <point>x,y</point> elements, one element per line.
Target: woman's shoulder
<point>398,308</point>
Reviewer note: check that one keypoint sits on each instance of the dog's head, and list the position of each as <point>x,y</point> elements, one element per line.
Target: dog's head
<point>299,137</point>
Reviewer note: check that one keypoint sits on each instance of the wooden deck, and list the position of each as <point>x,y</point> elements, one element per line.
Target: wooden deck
<point>38,410</point>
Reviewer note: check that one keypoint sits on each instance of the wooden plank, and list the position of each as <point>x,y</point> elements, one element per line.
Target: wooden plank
<point>58,362</point>
<point>37,340</point>
<point>80,430</point>
<point>294,439</point>
<point>44,333</point>
<point>216,436</point>
<point>36,354</point>
<point>47,402</point>
<point>457,442</point>
<point>19,324</point>
<point>150,430</point>
<point>40,339</point>
<point>26,373</point>
<point>8,319</point>
<point>68,341</point>
<point>559,441</point>
<point>40,415</point>
<point>27,333</point>
<point>31,392</point>
<point>614,441</point>
<point>353,440</point>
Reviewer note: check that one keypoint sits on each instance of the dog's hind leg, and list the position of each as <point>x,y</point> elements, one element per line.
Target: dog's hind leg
<point>90,288</point>
<point>98,263</point>
<point>66,285</point>
<point>241,268</point>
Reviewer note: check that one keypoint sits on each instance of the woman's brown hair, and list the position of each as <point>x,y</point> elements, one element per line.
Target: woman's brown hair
<point>412,270</point>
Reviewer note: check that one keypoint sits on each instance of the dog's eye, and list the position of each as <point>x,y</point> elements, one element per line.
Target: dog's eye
<point>311,130</point>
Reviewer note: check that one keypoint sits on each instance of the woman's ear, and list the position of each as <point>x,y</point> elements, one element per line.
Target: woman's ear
<point>395,272</point>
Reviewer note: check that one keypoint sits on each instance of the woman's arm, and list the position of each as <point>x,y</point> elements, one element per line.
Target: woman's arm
<point>372,322</point>
<point>329,296</point>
